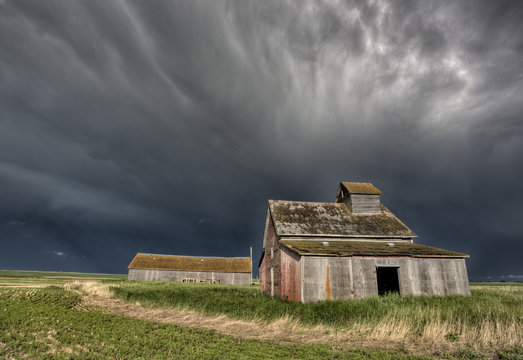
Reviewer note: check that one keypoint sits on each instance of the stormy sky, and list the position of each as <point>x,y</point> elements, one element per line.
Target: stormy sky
<point>165,126</point>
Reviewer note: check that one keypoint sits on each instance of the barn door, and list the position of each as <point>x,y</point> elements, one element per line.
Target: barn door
<point>388,282</point>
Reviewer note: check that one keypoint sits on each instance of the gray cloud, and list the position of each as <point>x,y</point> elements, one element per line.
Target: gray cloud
<point>162,127</point>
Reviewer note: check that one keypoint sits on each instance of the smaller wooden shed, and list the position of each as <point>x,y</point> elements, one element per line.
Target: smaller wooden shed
<point>215,270</point>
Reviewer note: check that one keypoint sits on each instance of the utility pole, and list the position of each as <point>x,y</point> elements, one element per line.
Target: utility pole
<point>251,265</point>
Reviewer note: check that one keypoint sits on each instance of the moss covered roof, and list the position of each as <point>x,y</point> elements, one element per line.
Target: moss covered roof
<point>361,188</point>
<point>191,263</point>
<point>367,248</point>
<point>334,219</point>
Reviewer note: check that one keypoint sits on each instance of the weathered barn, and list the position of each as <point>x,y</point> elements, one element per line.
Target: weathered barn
<point>216,270</point>
<point>352,248</point>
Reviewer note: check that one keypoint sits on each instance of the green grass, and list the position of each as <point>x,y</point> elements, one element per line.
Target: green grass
<point>490,320</point>
<point>249,303</point>
<point>45,324</point>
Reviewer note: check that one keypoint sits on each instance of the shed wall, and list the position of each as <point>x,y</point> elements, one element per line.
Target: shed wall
<point>178,275</point>
<point>355,277</point>
<point>290,275</point>
<point>263,274</point>
<point>272,259</point>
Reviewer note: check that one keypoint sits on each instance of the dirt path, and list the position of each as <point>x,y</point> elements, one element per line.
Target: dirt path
<point>284,330</point>
<point>281,330</point>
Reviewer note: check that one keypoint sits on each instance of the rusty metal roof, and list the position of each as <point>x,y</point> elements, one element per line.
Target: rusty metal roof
<point>296,218</point>
<point>361,188</point>
<point>367,248</point>
<point>191,263</point>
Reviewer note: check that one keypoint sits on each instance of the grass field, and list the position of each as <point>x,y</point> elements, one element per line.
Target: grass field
<point>47,324</point>
<point>495,283</point>
<point>23,278</point>
<point>490,316</point>
<point>20,274</point>
<point>39,319</point>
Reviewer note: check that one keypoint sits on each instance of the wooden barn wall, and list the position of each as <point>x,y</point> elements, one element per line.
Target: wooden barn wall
<point>178,275</point>
<point>273,259</point>
<point>367,204</point>
<point>439,277</point>
<point>327,278</point>
<point>263,274</point>
<point>290,275</point>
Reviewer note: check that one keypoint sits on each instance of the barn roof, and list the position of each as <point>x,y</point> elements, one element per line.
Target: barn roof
<point>261,258</point>
<point>361,188</point>
<point>298,218</point>
<point>366,248</point>
<point>191,263</point>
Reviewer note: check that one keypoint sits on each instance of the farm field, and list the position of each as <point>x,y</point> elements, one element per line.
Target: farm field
<point>82,318</point>
<point>48,324</point>
<point>18,278</point>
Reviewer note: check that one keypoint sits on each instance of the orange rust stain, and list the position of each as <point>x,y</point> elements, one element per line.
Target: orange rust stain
<point>328,290</point>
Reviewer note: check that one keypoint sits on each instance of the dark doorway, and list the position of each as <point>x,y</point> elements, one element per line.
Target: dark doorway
<point>387,280</point>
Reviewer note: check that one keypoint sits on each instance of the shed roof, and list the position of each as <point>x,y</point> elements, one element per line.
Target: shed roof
<point>296,218</point>
<point>367,248</point>
<point>191,263</point>
<point>361,188</point>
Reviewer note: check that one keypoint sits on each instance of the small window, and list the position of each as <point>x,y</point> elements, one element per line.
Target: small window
<point>272,253</point>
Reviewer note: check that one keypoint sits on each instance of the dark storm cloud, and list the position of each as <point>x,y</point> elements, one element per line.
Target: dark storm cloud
<point>164,127</point>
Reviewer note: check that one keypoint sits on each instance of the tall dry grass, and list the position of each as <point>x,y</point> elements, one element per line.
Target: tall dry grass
<point>490,316</point>
<point>93,288</point>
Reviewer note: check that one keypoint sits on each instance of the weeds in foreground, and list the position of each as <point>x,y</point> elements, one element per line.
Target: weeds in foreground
<point>490,316</point>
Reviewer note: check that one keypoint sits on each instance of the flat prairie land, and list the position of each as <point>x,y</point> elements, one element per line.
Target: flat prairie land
<point>101,316</point>
<point>46,278</point>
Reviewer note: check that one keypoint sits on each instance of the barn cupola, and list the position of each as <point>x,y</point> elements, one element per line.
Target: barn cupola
<point>360,198</point>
